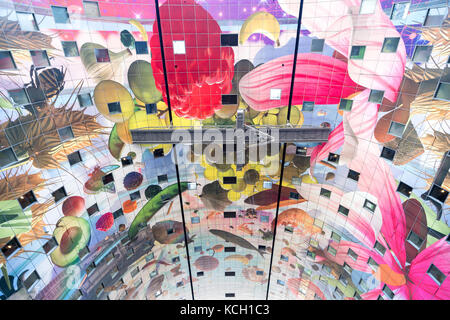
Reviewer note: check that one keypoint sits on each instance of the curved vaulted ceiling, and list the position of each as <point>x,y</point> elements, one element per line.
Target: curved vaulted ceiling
<point>87,214</point>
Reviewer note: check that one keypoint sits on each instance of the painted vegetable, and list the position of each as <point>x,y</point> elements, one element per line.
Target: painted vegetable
<point>115,144</point>
<point>127,39</point>
<point>100,70</point>
<point>132,180</point>
<point>142,83</point>
<point>105,222</point>
<point>129,206</point>
<point>153,206</point>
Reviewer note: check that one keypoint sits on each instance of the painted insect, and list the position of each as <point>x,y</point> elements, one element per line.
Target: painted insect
<point>48,79</point>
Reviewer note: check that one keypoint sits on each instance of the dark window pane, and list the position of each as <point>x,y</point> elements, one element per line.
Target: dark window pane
<point>11,247</point>
<point>343,210</point>
<point>325,193</point>
<point>346,105</point>
<point>141,47</point>
<point>357,52</point>
<point>108,178</point>
<point>396,129</point>
<point>229,273</point>
<point>422,53</point>
<point>376,96</point>
<point>6,61</point>
<point>158,153</point>
<point>229,214</point>
<point>65,133</point>
<point>404,189</point>
<point>369,205</point>
<point>439,193</point>
<point>59,194</point>
<point>437,275</point>
<point>317,45</point>
<point>19,96</point>
<point>7,157</point>
<point>229,99</point>
<point>229,295</point>
<point>353,175</point>
<point>307,106</point>
<point>135,195</point>
<point>31,280</point>
<point>60,14</point>
<point>230,249</point>
<point>380,248</point>
<point>92,209</point>
<point>74,158</point>
<point>151,108</point>
<point>162,178</point>
<point>390,45</point>
<point>126,161</point>
<point>50,245</point>
<point>415,240</point>
<point>387,153</point>
<point>332,157</point>
<point>70,48</point>
<point>27,199</point>
<point>229,40</point>
<point>229,180</point>
<point>85,100</point>
<point>114,108</point>
<point>102,55</point>
<point>443,91</point>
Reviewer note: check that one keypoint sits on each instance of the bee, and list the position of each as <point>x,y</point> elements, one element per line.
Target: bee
<point>48,79</point>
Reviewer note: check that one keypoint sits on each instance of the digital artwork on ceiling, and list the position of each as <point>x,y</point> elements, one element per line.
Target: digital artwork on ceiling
<point>87,214</point>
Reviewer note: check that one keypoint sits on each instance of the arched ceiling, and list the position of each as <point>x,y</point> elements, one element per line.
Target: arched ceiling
<point>87,214</point>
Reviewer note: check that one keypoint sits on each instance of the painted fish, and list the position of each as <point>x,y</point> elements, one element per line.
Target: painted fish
<point>227,236</point>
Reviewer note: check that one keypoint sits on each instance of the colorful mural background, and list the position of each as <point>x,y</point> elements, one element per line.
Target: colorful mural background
<point>354,221</point>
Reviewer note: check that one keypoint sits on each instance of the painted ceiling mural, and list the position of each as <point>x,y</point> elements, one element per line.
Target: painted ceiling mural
<point>87,214</point>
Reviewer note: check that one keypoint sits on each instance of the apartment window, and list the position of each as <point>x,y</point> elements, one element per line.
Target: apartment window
<point>195,220</point>
<point>318,223</point>
<point>230,249</point>
<point>27,199</point>
<point>162,178</point>
<point>65,133</point>
<point>400,11</point>
<point>422,54</point>
<point>135,272</point>
<point>343,279</point>
<point>175,259</point>
<point>308,106</point>
<point>91,9</point>
<point>158,153</point>
<point>149,257</point>
<point>301,151</point>
<point>326,269</point>
<point>11,247</point>
<point>310,254</point>
<point>376,96</point>
<point>229,180</point>
<point>118,213</point>
<point>50,245</point>
<point>390,45</point>
<point>192,186</point>
<point>83,252</point>
<point>435,16</point>
<point>331,250</point>
<point>229,99</point>
<point>59,194</point>
<point>404,189</point>
<point>388,292</point>
<point>335,236</point>
<point>126,161</point>
<point>229,274</point>
<point>102,55</point>
<point>261,248</point>
<point>347,268</point>
<point>31,280</point>
<point>200,274</point>
<point>294,195</point>
<point>135,195</point>
<point>179,47</point>
<point>19,96</point>
<point>229,40</point>
<point>114,107</point>
<point>141,47</point>
<point>267,184</point>
<point>379,248</point>
<point>316,297</point>
<point>343,210</point>
<point>85,100</point>
<point>92,209</point>
<point>372,263</point>
<point>345,105</point>
<point>380,298</point>
<point>280,282</point>
<point>289,229</point>
<point>27,21</point>
<point>353,175</point>
<point>443,91</point>
<point>76,295</point>
<point>415,240</point>
<point>438,193</point>
<point>332,157</point>
<point>357,52</point>
<point>74,158</point>
<point>197,248</point>
<point>99,290</point>
<point>108,178</point>
<point>284,258</point>
<point>338,293</point>
<point>325,193</point>
<point>275,94</point>
<point>151,108</point>
<point>229,214</point>
<point>369,205</point>
<point>352,254</point>
<point>259,273</point>
<point>6,61</point>
<point>387,153</point>
<point>60,14</point>
<point>70,48</point>
<point>7,157</point>
<point>367,6</point>
<point>317,45</point>
<point>229,295</point>
<point>437,275</point>
<point>396,129</point>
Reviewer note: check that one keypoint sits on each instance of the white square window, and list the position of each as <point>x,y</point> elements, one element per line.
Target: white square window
<point>192,186</point>
<point>396,129</point>
<point>275,94</point>
<point>179,47</point>
<point>267,184</point>
<point>27,21</point>
<point>367,6</point>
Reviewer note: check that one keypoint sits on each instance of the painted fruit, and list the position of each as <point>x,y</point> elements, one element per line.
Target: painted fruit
<point>105,222</point>
<point>142,83</point>
<point>76,233</point>
<point>73,206</point>
<point>109,91</point>
<point>152,191</point>
<point>132,180</point>
<point>129,206</point>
